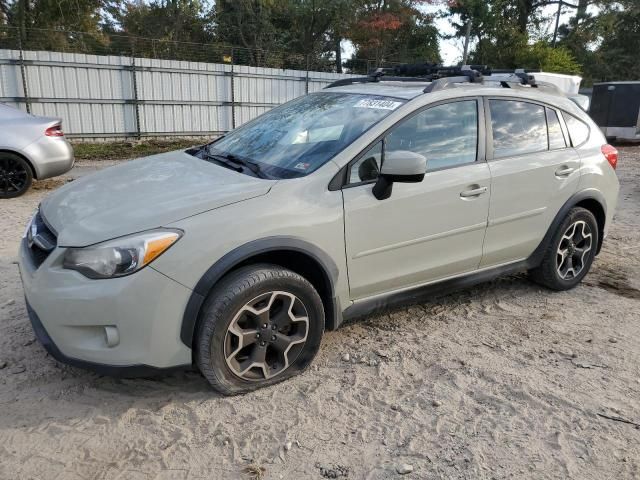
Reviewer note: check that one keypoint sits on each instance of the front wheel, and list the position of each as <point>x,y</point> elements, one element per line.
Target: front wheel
<point>571,252</point>
<point>15,175</point>
<point>261,325</point>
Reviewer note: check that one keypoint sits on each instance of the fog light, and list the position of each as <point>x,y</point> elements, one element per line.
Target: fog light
<point>111,336</point>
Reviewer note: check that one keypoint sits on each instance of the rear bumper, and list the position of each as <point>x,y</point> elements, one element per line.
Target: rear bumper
<point>126,371</point>
<point>50,156</point>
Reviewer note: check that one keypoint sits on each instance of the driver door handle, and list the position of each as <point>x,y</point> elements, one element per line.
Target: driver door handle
<point>474,192</point>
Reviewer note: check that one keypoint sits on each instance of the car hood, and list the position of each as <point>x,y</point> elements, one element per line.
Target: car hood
<point>143,194</point>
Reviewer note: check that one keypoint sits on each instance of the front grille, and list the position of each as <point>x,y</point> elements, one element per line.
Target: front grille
<point>41,240</point>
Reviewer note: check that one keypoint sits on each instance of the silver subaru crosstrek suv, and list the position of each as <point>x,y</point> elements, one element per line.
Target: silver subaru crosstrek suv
<point>237,255</point>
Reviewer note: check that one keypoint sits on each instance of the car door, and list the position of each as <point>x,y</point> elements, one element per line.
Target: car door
<point>428,230</point>
<point>534,171</point>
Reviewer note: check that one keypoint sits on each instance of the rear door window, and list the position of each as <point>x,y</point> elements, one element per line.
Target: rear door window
<point>518,128</point>
<point>578,130</point>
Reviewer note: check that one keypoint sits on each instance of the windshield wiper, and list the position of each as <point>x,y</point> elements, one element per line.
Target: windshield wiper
<point>235,162</point>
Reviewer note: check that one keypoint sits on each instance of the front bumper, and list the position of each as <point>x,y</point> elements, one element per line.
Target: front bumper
<point>128,371</point>
<point>70,314</point>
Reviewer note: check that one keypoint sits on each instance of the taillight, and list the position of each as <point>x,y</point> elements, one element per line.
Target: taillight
<point>611,154</point>
<point>55,131</point>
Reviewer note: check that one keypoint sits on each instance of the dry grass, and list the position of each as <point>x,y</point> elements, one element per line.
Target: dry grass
<point>255,472</point>
<point>125,150</point>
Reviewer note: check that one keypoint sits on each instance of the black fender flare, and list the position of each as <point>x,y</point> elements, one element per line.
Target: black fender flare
<point>588,194</point>
<point>238,255</point>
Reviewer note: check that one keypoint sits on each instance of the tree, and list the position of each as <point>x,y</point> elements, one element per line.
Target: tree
<point>501,32</point>
<point>44,24</point>
<point>172,20</point>
<point>544,57</point>
<point>393,31</point>
<point>617,56</point>
<point>248,24</point>
<point>161,28</point>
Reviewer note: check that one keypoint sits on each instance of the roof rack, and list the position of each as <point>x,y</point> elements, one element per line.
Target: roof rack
<point>447,77</point>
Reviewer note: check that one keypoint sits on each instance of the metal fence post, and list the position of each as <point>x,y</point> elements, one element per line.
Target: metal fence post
<point>233,94</point>
<point>136,102</point>
<point>23,74</point>
<point>306,83</point>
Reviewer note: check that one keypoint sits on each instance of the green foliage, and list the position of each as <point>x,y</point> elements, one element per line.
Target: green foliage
<point>172,20</point>
<point>543,56</point>
<point>618,55</point>
<point>601,46</point>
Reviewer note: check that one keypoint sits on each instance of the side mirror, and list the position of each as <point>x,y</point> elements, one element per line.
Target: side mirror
<point>399,166</point>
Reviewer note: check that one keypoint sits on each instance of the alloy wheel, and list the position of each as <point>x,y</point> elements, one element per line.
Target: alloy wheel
<point>13,176</point>
<point>573,250</point>
<point>266,336</point>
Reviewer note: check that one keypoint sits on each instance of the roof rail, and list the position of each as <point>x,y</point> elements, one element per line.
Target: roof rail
<point>426,72</point>
<point>442,77</point>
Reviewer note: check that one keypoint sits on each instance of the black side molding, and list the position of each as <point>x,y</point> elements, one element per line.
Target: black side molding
<point>383,303</point>
<point>244,252</point>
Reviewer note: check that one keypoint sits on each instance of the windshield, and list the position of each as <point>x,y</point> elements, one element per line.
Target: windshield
<point>296,138</point>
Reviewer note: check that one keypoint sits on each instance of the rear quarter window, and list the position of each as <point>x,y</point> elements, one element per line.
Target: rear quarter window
<point>578,130</point>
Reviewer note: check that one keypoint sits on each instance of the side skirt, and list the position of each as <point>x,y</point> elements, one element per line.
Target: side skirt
<point>384,302</point>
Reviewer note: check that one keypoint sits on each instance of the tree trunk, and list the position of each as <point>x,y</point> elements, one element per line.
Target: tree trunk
<point>581,12</point>
<point>338,50</point>
<point>525,9</point>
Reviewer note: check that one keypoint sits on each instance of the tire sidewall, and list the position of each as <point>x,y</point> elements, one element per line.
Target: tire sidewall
<point>217,315</point>
<point>575,215</point>
<point>27,169</point>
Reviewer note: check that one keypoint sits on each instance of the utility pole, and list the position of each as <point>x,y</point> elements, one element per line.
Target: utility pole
<point>467,37</point>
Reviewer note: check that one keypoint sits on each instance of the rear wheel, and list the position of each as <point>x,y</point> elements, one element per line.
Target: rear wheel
<point>261,325</point>
<point>15,175</point>
<point>570,254</point>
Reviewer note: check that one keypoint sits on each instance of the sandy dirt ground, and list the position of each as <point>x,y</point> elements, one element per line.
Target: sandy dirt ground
<point>505,380</point>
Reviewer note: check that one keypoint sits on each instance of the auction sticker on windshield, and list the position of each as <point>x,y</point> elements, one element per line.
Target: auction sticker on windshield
<point>379,104</point>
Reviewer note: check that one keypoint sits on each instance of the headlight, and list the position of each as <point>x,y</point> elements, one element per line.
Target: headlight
<point>122,256</point>
<point>30,222</point>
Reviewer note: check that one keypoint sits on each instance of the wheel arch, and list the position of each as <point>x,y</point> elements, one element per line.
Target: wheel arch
<point>34,172</point>
<point>595,207</point>
<point>295,254</point>
<point>589,199</point>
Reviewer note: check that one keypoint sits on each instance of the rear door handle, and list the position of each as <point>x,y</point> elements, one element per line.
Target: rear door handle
<point>564,171</point>
<point>474,192</point>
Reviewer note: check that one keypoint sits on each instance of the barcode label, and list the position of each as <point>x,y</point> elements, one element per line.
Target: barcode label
<point>380,104</point>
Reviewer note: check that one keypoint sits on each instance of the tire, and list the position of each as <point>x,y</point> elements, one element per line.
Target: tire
<point>570,253</point>
<point>15,175</point>
<point>249,303</point>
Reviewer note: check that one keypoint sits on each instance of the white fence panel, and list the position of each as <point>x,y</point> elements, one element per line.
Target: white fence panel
<point>112,96</point>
